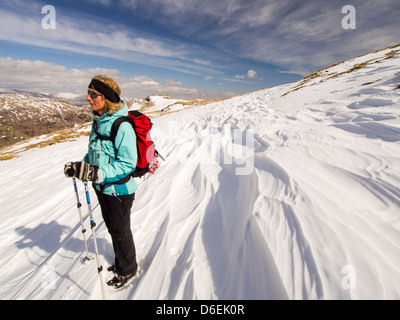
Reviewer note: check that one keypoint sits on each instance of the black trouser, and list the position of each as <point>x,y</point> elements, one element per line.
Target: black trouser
<point>116,213</point>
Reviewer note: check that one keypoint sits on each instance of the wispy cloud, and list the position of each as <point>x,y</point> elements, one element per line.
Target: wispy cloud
<point>81,33</point>
<point>296,35</point>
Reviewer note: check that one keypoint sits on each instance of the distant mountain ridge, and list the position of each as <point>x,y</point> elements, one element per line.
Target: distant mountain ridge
<point>27,114</point>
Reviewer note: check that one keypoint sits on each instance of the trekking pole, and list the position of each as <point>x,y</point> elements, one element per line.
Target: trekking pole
<point>92,226</point>
<point>79,205</point>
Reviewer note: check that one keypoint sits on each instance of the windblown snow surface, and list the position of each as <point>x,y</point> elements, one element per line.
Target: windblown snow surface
<point>262,196</point>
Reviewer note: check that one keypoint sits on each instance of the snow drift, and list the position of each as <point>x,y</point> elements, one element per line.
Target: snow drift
<point>291,192</point>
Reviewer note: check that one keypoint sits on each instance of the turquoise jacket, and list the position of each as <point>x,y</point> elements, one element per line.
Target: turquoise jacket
<point>114,162</point>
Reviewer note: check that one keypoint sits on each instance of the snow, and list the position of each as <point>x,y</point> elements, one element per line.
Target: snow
<point>154,104</point>
<point>262,196</point>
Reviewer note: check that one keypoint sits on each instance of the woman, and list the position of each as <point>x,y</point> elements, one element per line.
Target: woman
<point>107,164</point>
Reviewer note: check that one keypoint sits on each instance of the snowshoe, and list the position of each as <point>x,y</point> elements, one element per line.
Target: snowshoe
<point>120,281</point>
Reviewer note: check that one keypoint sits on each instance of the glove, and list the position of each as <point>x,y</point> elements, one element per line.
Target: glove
<point>81,170</point>
<point>85,172</point>
<point>69,171</point>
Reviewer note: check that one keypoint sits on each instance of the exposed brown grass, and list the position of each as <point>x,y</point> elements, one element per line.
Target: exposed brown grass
<point>64,135</point>
<point>357,67</point>
<point>371,82</point>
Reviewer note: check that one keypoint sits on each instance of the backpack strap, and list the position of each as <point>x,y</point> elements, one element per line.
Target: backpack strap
<point>114,129</point>
<point>96,131</point>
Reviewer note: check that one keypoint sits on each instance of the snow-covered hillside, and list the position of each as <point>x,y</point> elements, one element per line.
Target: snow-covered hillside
<point>291,192</point>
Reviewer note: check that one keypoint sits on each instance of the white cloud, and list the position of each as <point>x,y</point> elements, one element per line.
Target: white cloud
<point>41,76</point>
<point>251,74</point>
<point>172,82</point>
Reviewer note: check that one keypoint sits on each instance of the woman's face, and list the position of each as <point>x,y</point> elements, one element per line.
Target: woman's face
<point>97,103</point>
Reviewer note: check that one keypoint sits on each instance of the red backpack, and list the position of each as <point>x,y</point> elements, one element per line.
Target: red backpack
<point>147,155</point>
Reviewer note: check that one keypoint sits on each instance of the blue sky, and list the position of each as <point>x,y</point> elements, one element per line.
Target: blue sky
<point>185,48</point>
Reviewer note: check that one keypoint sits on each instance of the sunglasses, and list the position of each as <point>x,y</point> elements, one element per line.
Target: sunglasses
<point>93,94</point>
